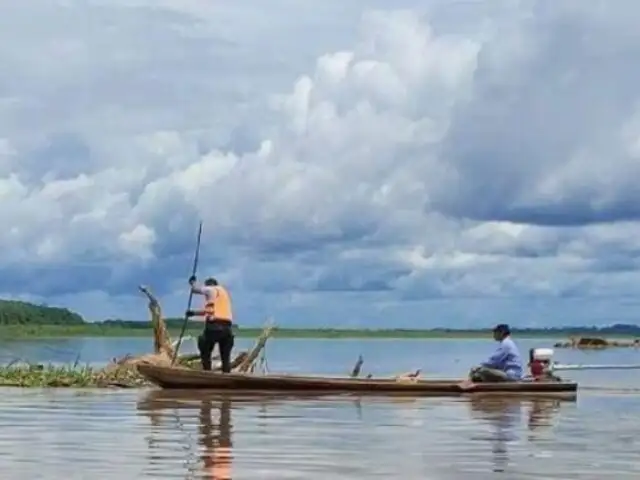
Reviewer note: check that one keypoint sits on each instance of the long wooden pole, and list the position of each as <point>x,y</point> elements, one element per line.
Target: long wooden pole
<point>559,367</point>
<point>196,258</point>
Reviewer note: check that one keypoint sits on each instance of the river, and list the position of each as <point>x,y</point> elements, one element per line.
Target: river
<point>136,434</point>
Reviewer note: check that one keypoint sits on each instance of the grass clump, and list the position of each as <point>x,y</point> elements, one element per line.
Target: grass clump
<point>38,375</point>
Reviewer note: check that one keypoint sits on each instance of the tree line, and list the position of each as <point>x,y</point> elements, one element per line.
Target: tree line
<point>137,324</point>
<point>14,312</point>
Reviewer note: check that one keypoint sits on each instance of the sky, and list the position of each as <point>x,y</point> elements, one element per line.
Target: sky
<point>357,164</point>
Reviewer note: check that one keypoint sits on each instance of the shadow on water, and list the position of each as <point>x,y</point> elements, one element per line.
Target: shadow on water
<point>214,423</point>
<point>504,415</point>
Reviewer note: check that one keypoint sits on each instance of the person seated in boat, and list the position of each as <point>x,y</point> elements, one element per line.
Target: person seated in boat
<point>505,364</point>
<point>218,322</point>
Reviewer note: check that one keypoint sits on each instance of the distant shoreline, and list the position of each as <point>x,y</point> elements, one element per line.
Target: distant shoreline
<point>34,332</point>
<point>24,320</point>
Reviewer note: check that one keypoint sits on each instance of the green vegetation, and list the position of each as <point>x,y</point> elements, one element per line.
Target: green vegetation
<point>143,329</point>
<point>21,332</point>
<point>26,314</point>
<point>21,320</point>
<point>28,375</point>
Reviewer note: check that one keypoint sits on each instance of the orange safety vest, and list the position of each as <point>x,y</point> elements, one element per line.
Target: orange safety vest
<point>218,307</point>
<point>219,465</point>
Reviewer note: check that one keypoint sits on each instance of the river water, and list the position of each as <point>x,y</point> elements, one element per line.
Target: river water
<point>137,434</point>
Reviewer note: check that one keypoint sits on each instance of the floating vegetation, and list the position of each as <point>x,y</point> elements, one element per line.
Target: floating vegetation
<point>36,375</point>
<point>123,372</point>
<point>596,343</point>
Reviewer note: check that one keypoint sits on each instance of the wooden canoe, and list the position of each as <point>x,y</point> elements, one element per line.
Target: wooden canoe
<point>186,378</point>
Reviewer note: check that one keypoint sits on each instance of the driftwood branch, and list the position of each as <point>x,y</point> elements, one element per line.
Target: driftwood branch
<point>357,367</point>
<point>253,354</point>
<point>408,376</point>
<point>161,339</point>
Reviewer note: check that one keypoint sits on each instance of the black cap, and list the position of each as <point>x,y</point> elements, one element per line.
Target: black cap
<point>502,328</point>
<point>210,282</point>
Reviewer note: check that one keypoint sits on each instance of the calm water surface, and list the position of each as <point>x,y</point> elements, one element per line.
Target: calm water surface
<point>71,434</point>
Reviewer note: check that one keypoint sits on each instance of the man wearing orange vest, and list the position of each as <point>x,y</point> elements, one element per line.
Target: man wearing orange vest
<point>217,319</point>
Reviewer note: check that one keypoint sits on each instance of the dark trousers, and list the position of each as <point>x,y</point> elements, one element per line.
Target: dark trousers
<point>219,333</point>
<point>488,375</point>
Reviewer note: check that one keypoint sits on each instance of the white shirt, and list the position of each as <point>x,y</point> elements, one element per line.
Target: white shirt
<point>209,292</point>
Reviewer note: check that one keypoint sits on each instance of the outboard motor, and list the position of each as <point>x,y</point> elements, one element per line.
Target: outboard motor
<point>540,362</point>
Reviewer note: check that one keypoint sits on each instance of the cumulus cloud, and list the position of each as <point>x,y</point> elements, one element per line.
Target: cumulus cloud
<point>422,165</point>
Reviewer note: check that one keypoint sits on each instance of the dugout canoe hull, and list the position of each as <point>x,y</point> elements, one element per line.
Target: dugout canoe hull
<point>186,378</point>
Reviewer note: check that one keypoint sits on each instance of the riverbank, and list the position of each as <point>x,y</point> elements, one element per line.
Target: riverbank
<point>21,332</point>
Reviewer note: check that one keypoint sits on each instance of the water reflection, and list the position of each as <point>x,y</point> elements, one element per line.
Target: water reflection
<point>167,410</point>
<point>215,439</point>
<point>214,459</point>
<point>214,426</point>
<point>542,414</point>
<point>507,419</point>
<point>504,415</point>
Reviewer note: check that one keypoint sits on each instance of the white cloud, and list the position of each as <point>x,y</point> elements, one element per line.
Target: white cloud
<point>138,242</point>
<point>346,161</point>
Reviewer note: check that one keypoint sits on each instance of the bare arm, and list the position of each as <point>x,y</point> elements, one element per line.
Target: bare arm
<point>199,291</point>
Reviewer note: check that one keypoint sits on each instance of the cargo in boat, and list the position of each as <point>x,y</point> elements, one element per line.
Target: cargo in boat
<point>186,378</point>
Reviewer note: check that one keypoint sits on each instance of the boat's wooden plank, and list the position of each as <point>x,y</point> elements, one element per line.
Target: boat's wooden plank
<point>184,378</point>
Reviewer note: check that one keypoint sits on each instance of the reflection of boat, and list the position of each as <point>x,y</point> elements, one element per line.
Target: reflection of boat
<point>155,401</point>
<point>541,413</point>
<point>504,415</point>
<point>185,378</point>
<point>540,410</point>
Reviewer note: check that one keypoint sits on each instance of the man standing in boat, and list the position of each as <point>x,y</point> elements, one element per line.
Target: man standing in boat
<point>505,364</point>
<point>218,320</point>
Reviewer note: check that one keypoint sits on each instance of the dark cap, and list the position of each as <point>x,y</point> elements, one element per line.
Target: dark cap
<point>211,282</point>
<point>502,328</point>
